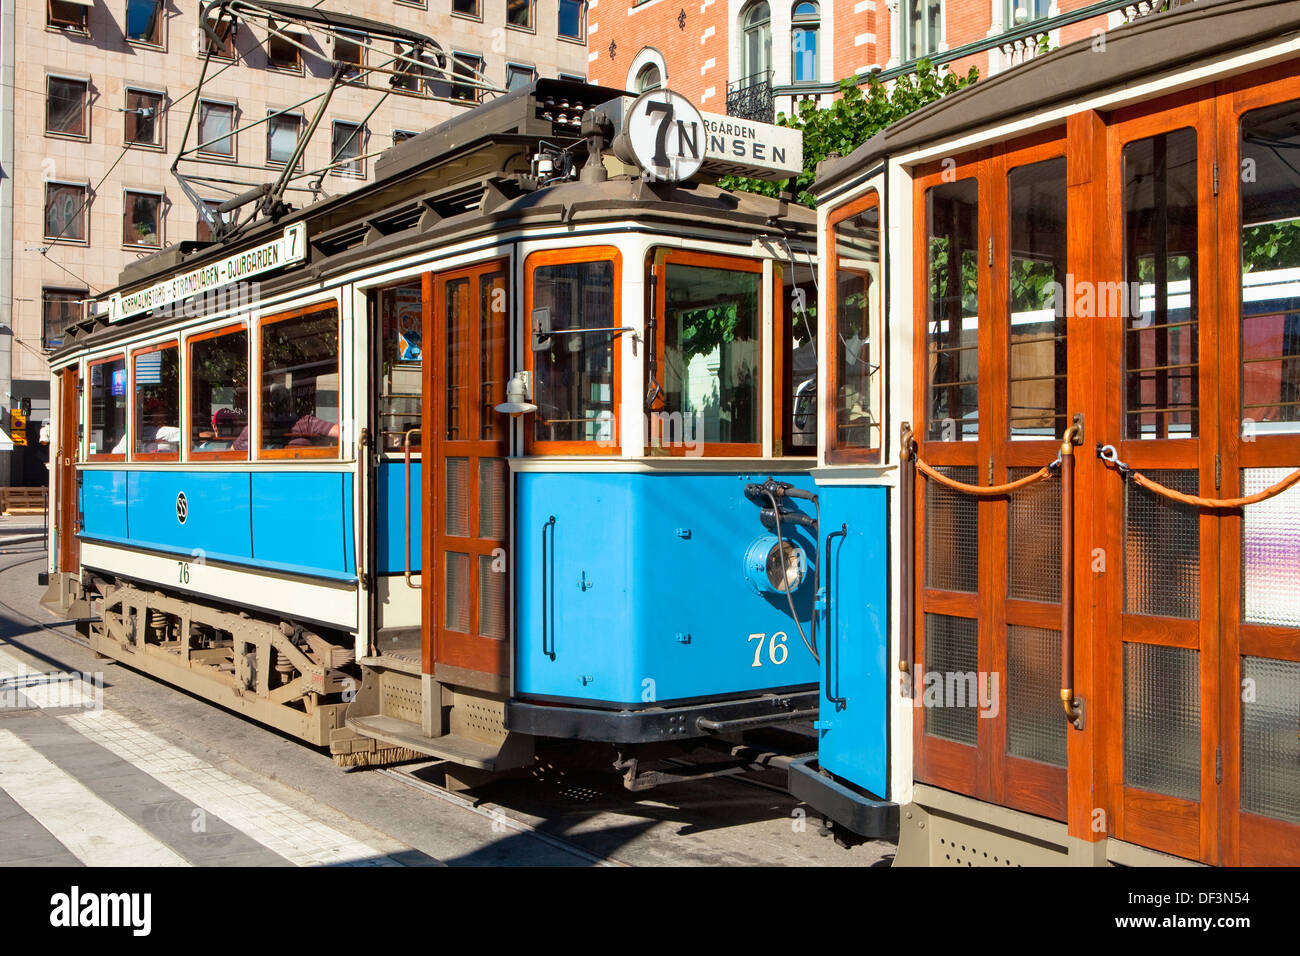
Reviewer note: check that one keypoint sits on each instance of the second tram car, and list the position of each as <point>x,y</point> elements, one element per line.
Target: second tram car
<point>514,442</point>
<point>1061,360</point>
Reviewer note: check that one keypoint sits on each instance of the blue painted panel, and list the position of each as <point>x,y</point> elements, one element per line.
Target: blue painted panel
<point>103,505</point>
<point>392,518</point>
<point>217,522</point>
<point>646,591</point>
<point>854,738</point>
<point>302,521</point>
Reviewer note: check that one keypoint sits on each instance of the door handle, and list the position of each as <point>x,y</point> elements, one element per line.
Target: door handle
<point>548,578</point>
<point>840,702</point>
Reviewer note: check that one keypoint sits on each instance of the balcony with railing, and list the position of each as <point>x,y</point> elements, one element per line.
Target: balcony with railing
<point>751,98</point>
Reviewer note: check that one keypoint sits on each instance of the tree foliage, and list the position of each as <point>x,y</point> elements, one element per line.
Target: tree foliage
<point>854,118</point>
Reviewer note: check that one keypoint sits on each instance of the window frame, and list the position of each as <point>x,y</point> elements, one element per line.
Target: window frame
<point>837,454</point>
<point>532,73</point>
<point>406,134</point>
<point>84,239</point>
<point>159,40</point>
<point>84,81</point>
<point>78,296</point>
<point>128,192</point>
<point>232,137</point>
<point>134,437</point>
<point>231,40</point>
<point>159,124</point>
<point>905,29</point>
<point>576,255</point>
<point>187,402</point>
<point>336,167</point>
<point>298,66</point>
<point>476,92</point>
<point>273,115</point>
<point>67,26</point>
<point>200,223</point>
<point>476,15</point>
<point>89,402</point>
<point>531,25</point>
<point>806,23</point>
<point>582,22</point>
<point>662,257</point>
<point>334,452</point>
<point>362,42</point>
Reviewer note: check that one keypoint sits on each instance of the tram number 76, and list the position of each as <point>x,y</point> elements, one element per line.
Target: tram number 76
<point>777,651</point>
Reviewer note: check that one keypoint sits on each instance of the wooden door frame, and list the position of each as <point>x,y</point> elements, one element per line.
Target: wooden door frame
<point>66,456</point>
<point>1244,838</point>
<point>1170,824</point>
<point>436,658</point>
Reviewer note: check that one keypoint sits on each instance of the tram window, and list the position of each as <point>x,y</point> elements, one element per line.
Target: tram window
<point>856,347</point>
<point>1160,275</point>
<point>299,360</point>
<point>107,433</point>
<point>1036,338</point>
<point>952,311</point>
<point>795,329</point>
<point>401,315</point>
<point>710,327</point>
<point>575,374</point>
<point>156,373</point>
<point>218,376</point>
<point>1270,272</point>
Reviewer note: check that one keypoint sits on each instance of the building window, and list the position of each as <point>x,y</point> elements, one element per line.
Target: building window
<point>204,233</point>
<point>467,66</point>
<point>282,132</point>
<point>282,52</point>
<point>408,74</point>
<point>299,359</point>
<point>804,57</point>
<point>350,48</point>
<point>402,135</point>
<point>60,308</point>
<point>573,79</point>
<point>144,19</point>
<point>922,27</point>
<point>216,124</point>
<point>224,46</point>
<point>218,383</point>
<point>142,219</point>
<point>65,106</point>
<point>143,118</point>
<point>756,51</point>
<point>576,381</point>
<point>346,149</point>
<point>107,431</point>
<point>65,211</point>
<point>572,19</point>
<point>156,374</point>
<point>1017,12</point>
<point>466,8</point>
<point>519,13</point>
<point>518,77</point>
<point>649,78</point>
<point>68,14</point>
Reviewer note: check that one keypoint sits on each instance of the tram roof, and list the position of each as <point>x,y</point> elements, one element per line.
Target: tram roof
<point>1149,45</point>
<point>449,184</point>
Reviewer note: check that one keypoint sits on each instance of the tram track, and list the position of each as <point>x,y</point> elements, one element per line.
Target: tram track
<point>498,816</point>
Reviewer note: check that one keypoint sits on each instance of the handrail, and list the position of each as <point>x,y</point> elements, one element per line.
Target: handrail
<point>547,606</point>
<point>907,548</point>
<point>1071,704</point>
<point>1110,456</point>
<point>406,447</point>
<point>839,702</point>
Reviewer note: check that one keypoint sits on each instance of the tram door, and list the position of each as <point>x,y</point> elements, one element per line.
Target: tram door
<point>66,472</point>
<point>994,406</point>
<point>467,479</point>
<point>1205,706</point>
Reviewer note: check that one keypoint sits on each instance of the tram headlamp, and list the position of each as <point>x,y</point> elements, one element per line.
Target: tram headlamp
<point>516,402</point>
<point>775,565</point>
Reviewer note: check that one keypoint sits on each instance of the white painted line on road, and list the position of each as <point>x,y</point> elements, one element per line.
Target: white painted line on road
<point>57,690</point>
<point>276,825</point>
<point>94,832</point>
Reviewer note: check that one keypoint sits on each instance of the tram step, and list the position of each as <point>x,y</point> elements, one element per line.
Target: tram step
<point>405,734</point>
